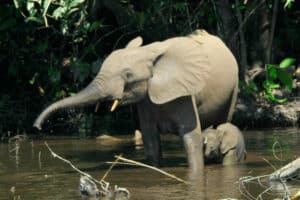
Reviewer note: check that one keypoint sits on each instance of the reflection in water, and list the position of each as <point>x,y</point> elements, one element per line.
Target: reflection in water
<point>34,174</point>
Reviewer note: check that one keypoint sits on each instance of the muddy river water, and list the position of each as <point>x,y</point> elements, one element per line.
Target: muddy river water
<point>32,173</point>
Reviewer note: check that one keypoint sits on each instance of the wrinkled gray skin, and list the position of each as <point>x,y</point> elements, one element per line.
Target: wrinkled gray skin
<point>225,145</point>
<point>179,85</point>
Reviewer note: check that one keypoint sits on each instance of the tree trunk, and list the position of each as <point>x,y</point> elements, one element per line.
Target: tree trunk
<point>227,25</point>
<point>243,48</point>
<point>272,32</point>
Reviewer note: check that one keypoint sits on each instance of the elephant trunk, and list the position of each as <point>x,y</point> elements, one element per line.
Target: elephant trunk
<point>89,95</point>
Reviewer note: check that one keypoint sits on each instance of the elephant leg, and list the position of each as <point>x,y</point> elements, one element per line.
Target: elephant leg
<point>194,150</point>
<point>193,143</point>
<point>150,136</point>
<point>230,158</point>
<point>152,147</point>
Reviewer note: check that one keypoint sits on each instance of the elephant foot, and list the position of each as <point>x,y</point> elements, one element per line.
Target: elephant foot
<point>194,150</point>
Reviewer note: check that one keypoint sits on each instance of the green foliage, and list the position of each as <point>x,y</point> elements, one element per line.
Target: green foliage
<point>275,77</point>
<point>248,89</point>
<point>50,49</point>
<point>278,78</point>
<point>288,4</point>
<point>287,62</point>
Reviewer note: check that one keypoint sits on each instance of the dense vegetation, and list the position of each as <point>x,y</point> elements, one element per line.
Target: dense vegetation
<point>50,49</point>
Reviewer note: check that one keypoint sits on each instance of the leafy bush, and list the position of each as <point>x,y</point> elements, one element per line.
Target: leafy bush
<point>278,78</point>
<point>275,77</point>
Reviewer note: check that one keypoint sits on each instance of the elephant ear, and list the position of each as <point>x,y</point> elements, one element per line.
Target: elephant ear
<point>181,70</point>
<point>229,141</point>
<point>136,42</point>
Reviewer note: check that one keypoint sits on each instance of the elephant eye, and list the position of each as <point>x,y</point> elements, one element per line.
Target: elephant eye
<point>128,75</point>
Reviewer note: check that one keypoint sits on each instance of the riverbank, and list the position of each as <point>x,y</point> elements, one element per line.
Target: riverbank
<point>261,114</point>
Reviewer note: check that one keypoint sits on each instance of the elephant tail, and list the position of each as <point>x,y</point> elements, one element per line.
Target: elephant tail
<point>233,102</point>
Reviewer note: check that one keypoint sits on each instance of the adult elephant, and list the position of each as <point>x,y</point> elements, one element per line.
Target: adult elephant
<point>180,85</point>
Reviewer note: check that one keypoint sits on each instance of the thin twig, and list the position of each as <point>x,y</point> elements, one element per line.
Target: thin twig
<point>253,178</point>
<point>45,13</point>
<point>274,153</point>
<point>121,163</point>
<point>151,167</point>
<point>265,191</point>
<point>241,25</point>
<point>110,168</point>
<point>269,163</point>
<point>102,183</point>
<point>243,190</point>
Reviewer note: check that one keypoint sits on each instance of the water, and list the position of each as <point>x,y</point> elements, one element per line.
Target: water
<point>35,174</point>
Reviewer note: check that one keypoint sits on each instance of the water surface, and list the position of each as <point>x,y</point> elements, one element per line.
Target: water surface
<point>35,174</point>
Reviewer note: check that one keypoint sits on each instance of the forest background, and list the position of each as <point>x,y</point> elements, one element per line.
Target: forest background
<point>50,49</point>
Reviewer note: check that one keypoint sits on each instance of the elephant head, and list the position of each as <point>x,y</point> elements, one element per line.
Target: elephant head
<point>218,142</point>
<point>130,74</point>
<point>212,142</point>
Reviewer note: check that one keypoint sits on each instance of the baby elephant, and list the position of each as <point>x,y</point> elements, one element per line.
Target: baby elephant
<point>225,145</point>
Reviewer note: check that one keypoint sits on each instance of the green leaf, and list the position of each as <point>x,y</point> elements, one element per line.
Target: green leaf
<point>95,25</point>
<point>30,5</point>
<point>33,12</point>
<point>76,3</point>
<point>287,62</point>
<point>252,85</point>
<point>242,7</point>
<point>268,85</point>
<point>34,19</point>
<point>59,12</point>
<point>17,3</point>
<point>288,4</point>
<point>271,97</point>
<point>64,27</point>
<point>272,71</point>
<point>286,79</point>
<point>72,11</point>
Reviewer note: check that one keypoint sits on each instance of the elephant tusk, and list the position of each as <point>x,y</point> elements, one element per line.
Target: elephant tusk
<point>205,140</point>
<point>114,106</point>
<point>97,107</point>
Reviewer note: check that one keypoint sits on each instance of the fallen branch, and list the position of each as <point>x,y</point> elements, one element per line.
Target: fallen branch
<point>110,168</point>
<point>103,184</point>
<point>287,172</point>
<point>132,162</point>
<point>87,181</point>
